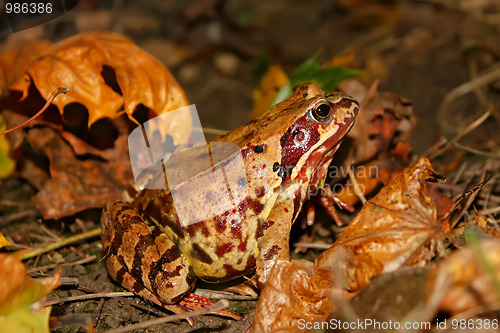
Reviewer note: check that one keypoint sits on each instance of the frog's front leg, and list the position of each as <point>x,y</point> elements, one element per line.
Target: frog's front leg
<point>145,263</point>
<point>274,237</point>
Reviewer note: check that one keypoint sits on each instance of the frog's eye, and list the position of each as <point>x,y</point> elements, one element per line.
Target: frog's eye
<point>321,112</point>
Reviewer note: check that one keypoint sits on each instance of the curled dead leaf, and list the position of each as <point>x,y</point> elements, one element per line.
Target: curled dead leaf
<point>393,229</point>
<point>106,73</point>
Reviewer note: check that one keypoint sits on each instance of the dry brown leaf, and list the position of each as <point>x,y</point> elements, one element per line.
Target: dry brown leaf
<point>269,85</point>
<point>389,232</point>
<point>13,63</point>
<point>289,297</point>
<point>76,185</point>
<point>370,138</point>
<point>78,62</point>
<point>468,280</point>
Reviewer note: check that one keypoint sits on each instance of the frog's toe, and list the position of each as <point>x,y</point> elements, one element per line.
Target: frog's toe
<point>196,302</point>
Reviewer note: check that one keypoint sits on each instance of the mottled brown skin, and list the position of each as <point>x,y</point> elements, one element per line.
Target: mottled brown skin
<point>286,153</point>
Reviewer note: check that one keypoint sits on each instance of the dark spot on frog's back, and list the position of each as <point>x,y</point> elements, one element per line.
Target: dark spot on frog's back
<point>252,204</point>
<point>272,252</point>
<point>198,253</point>
<point>259,149</point>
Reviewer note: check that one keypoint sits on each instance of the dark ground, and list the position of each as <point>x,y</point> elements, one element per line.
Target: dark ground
<point>418,49</point>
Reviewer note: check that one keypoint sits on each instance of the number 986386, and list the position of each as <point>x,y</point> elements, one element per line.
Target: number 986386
<point>28,8</point>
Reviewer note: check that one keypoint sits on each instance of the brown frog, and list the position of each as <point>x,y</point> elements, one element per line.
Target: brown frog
<point>286,154</point>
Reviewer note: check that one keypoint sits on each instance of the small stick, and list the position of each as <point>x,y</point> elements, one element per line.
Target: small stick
<point>89,296</point>
<point>98,312</point>
<point>215,307</point>
<point>78,262</point>
<point>355,183</point>
<point>54,94</point>
<point>55,245</point>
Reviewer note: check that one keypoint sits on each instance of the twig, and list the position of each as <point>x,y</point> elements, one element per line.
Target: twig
<point>19,215</point>
<point>489,211</point>
<point>473,125</point>
<point>358,193</point>
<point>52,246</point>
<point>314,246</point>
<point>466,88</point>
<point>89,296</point>
<point>53,95</point>
<point>144,308</point>
<point>475,151</point>
<point>215,307</point>
<point>78,262</point>
<point>98,312</point>
<point>214,131</point>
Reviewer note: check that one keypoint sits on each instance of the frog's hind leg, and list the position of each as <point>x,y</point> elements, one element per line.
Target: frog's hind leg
<point>148,264</point>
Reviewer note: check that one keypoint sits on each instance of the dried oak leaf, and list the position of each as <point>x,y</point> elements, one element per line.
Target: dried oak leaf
<point>395,228</point>
<point>466,281</point>
<point>76,185</point>
<point>20,306</point>
<point>80,63</point>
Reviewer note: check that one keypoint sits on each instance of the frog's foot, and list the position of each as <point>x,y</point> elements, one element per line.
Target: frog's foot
<point>141,261</point>
<point>196,302</point>
<point>326,198</point>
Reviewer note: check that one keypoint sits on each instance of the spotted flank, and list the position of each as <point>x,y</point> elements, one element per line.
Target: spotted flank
<point>147,261</point>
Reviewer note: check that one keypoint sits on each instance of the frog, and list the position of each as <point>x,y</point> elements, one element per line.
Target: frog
<point>286,153</point>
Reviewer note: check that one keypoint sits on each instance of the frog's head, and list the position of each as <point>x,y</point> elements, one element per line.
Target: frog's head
<point>317,122</point>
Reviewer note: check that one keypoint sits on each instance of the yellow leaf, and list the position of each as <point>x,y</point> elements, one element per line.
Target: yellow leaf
<point>270,84</point>
<point>20,306</point>
<point>341,61</point>
<point>7,164</point>
<point>3,241</point>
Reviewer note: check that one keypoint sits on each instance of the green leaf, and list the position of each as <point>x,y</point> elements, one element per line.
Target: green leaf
<point>310,71</point>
